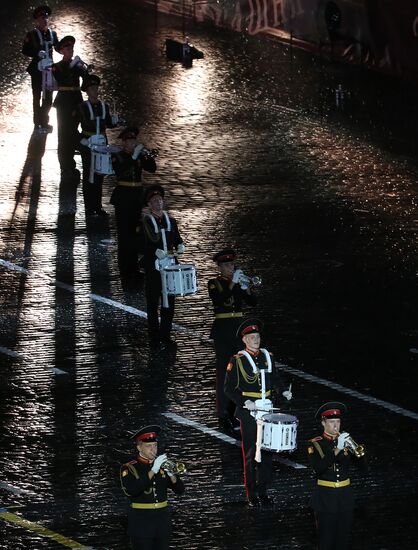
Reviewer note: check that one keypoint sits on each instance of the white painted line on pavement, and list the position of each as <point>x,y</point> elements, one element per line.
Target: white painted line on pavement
<point>179,328</point>
<point>9,352</point>
<point>347,391</point>
<point>15,490</point>
<point>226,438</point>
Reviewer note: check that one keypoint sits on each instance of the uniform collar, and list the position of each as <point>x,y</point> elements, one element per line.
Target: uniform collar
<point>330,437</point>
<point>144,460</point>
<point>252,353</point>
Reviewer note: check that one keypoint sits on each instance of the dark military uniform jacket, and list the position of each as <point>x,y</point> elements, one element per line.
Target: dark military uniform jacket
<point>150,240</point>
<point>34,42</point>
<point>148,497</point>
<point>241,383</point>
<point>129,171</point>
<point>68,80</point>
<point>330,468</point>
<point>86,115</point>
<point>225,300</point>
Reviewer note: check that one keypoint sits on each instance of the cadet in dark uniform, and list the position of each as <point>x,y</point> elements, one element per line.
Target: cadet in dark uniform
<point>228,296</point>
<point>159,235</point>
<point>67,73</point>
<point>145,481</point>
<point>332,499</point>
<point>41,38</point>
<point>86,115</point>
<point>243,387</point>
<point>128,199</point>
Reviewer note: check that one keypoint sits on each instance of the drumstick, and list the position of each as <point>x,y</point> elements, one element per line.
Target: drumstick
<point>290,387</point>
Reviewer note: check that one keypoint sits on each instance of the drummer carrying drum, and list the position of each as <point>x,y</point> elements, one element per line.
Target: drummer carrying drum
<point>94,117</point>
<point>160,242</point>
<point>245,374</point>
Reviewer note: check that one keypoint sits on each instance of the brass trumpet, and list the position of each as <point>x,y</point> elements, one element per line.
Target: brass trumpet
<point>173,467</point>
<point>250,281</point>
<point>355,448</point>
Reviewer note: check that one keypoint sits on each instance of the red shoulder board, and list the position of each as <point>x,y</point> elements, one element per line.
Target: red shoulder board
<point>315,439</point>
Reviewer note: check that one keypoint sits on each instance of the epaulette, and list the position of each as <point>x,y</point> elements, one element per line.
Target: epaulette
<point>316,439</point>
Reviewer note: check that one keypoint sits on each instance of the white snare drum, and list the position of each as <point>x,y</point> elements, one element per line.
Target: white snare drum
<point>279,432</point>
<point>180,279</point>
<point>103,160</point>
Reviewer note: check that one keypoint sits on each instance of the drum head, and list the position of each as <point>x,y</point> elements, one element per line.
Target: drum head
<point>106,149</point>
<point>280,418</point>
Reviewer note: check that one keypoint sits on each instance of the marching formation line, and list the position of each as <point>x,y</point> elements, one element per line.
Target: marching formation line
<point>180,328</point>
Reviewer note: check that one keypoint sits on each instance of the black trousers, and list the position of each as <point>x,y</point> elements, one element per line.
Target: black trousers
<point>257,476</point>
<point>157,330</point>
<point>128,219</point>
<point>147,543</point>
<point>41,105</point>
<point>226,345</point>
<point>334,529</point>
<point>333,516</point>
<point>92,192</point>
<point>67,136</point>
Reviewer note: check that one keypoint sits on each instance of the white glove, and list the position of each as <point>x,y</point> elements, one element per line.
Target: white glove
<point>85,141</point>
<point>244,286</point>
<point>237,275</point>
<point>342,438</point>
<point>137,151</point>
<point>75,61</point>
<point>160,254</point>
<point>287,394</point>
<point>250,405</point>
<point>114,119</point>
<point>42,54</point>
<point>181,248</point>
<point>158,462</point>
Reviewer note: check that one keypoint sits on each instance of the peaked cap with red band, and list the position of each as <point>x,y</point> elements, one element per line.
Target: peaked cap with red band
<point>154,190</point>
<point>42,10</point>
<point>147,434</point>
<point>332,409</point>
<point>249,326</point>
<point>131,132</point>
<point>226,255</point>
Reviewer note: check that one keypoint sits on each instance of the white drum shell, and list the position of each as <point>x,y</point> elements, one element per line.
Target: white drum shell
<point>102,157</point>
<point>279,432</point>
<point>180,279</point>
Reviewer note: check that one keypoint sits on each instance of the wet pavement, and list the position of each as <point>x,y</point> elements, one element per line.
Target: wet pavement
<point>320,203</point>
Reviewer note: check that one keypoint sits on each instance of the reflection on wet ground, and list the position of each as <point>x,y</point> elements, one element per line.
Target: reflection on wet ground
<point>321,204</point>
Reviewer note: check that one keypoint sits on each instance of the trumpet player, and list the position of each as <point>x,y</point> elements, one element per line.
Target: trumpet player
<point>128,198</point>
<point>40,40</point>
<point>67,73</point>
<point>330,456</point>
<point>145,481</point>
<point>229,293</point>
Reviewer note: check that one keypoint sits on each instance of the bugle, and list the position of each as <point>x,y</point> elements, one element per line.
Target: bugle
<point>173,467</point>
<point>355,448</point>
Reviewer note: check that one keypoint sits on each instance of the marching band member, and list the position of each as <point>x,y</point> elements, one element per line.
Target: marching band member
<point>145,481</point>
<point>67,73</point>
<point>228,295</point>
<point>330,456</point>
<point>86,115</point>
<point>127,198</point>
<point>243,385</point>
<point>39,40</point>
<point>159,236</point>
